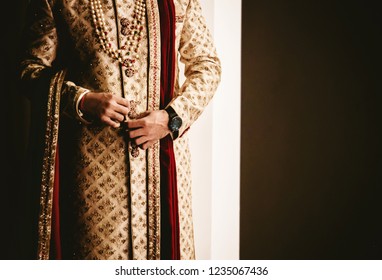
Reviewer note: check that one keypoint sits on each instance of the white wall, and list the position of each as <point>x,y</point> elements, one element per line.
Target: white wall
<point>215,143</point>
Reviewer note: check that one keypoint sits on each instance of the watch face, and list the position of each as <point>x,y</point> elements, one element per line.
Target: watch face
<point>175,123</point>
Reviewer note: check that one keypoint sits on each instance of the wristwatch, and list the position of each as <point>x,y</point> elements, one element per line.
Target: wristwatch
<point>174,122</point>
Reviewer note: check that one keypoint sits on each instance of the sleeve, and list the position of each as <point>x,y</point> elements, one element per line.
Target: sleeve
<point>38,56</point>
<point>202,67</point>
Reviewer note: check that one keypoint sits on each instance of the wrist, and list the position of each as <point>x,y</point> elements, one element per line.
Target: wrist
<point>80,107</point>
<point>165,119</point>
<point>82,101</point>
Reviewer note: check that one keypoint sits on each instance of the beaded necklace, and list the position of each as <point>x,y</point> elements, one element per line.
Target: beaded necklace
<point>127,55</point>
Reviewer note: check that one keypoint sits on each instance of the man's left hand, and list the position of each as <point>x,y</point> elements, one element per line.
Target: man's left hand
<point>148,128</point>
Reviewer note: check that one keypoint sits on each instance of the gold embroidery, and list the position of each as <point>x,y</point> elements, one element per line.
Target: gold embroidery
<point>48,169</point>
<point>153,168</point>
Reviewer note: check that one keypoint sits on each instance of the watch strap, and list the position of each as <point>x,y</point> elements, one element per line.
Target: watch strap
<point>172,114</point>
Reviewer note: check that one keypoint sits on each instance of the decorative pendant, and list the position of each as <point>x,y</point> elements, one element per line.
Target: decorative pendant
<point>125,31</point>
<point>125,26</point>
<point>129,72</point>
<point>134,151</point>
<point>124,22</point>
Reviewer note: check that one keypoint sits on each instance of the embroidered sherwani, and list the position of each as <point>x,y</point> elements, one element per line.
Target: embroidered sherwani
<point>109,189</point>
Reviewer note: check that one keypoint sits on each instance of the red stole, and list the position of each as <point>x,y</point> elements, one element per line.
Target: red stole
<point>170,247</point>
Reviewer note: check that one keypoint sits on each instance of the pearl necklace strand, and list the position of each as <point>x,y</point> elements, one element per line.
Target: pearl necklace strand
<point>127,55</point>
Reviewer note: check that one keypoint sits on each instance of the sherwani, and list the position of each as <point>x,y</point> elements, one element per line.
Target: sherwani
<point>110,189</point>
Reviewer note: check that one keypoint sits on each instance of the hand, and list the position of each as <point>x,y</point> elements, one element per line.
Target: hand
<point>149,128</point>
<point>106,107</point>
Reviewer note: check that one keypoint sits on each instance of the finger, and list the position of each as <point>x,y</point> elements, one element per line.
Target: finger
<point>141,140</point>
<point>136,123</point>
<point>121,109</point>
<point>122,101</point>
<point>137,133</point>
<point>113,124</point>
<point>117,116</point>
<point>110,122</point>
<point>147,145</point>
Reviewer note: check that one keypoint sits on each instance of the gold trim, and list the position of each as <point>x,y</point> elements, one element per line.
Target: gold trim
<point>153,161</point>
<point>48,168</point>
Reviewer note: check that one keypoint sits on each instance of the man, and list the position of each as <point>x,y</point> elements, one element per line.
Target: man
<point>110,121</point>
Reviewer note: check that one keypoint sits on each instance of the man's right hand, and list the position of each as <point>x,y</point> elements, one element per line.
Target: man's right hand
<point>105,107</point>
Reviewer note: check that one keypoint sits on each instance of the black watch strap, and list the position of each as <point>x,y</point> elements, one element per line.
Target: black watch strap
<point>171,112</point>
<point>174,122</point>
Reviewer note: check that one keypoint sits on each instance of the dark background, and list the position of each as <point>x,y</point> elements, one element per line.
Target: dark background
<point>15,211</point>
<point>311,157</point>
<point>311,170</point>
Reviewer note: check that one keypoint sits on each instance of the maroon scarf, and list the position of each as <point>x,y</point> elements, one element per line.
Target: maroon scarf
<point>170,246</point>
